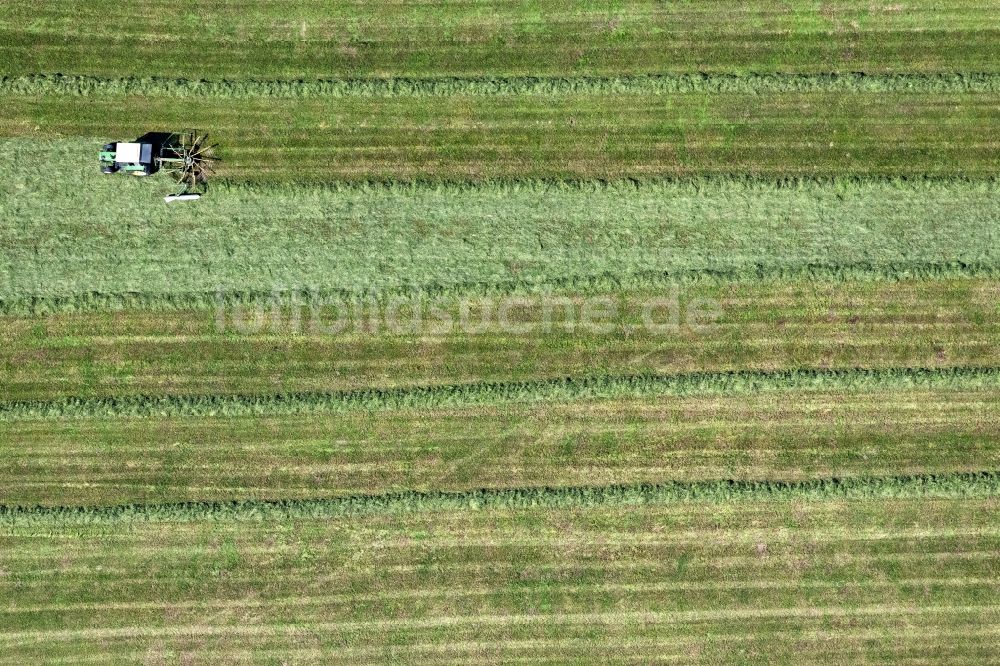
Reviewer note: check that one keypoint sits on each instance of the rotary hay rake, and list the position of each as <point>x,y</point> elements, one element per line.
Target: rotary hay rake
<point>188,157</point>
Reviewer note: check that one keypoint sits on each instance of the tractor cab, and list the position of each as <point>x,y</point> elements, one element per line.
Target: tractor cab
<point>137,159</point>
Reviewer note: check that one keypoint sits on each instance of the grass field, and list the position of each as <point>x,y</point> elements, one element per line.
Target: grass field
<point>575,136</point>
<point>343,38</point>
<point>826,579</point>
<point>706,367</point>
<point>74,235</point>
<point>769,326</point>
<point>786,434</point>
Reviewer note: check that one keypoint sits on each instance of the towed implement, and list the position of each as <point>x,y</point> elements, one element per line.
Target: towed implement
<point>187,156</point>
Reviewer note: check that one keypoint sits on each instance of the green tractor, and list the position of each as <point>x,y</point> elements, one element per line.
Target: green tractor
<point>187,156</point>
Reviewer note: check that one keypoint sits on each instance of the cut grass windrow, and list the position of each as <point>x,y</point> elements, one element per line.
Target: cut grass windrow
<point>751,83</point>
<point>985,484</point>
<point>580,388</point>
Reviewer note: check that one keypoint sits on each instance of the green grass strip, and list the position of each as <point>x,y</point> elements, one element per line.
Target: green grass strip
<point>762,84</point>
<point>950,486</point>
<point>460,395</point>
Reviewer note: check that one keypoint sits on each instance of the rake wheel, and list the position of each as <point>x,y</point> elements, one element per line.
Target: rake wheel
<point>189,158</point>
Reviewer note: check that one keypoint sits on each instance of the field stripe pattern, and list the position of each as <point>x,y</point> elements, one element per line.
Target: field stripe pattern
<point>769,326</point>
<point>71,243</point>
<point>821,577</point>
<point>813,477</point>
<point>603,137</point>
<point>309,39</point>
<point>787,435</point>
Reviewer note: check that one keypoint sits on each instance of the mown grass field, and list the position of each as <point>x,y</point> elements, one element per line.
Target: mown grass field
<point>783,435</point>
<point>343,39</point>
<point>604,136</point>
<point>808,475</point>
<point>751,581</point>
<point>769,326</point>
<point>71,234</point>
